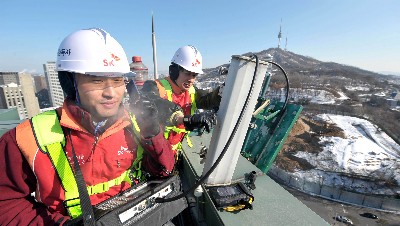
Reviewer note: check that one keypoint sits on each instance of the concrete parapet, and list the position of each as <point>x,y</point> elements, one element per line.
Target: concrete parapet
<point>391,204</point>
<point>372,201</point>
<point>352,197</point>
<point>334,192</point>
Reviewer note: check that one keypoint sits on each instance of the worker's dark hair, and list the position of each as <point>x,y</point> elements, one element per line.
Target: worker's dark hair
<point>67,83</point>
<point>174,71</point>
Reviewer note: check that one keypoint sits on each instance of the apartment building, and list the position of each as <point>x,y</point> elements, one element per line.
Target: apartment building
<point>56,93</point>
<point>20,96</point>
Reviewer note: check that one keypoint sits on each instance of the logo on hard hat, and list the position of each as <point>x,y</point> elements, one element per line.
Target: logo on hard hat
<point>111,62</point>
<point>196,63</point>
<point>115,57</point>
<point>63,52</point>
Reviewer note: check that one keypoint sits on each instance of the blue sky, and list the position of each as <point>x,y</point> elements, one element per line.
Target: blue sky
<point>362,33</point>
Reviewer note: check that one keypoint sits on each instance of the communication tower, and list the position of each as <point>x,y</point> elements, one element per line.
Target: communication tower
<point>280,35</point>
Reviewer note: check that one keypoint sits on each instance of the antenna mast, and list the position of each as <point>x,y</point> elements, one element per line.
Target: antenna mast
<point>153,35</point>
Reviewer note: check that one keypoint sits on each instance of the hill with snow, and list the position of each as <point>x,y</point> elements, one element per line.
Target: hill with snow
<point>363,158</point>
<point>344,151</point>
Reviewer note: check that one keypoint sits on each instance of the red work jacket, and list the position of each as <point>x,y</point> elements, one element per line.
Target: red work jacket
<point>26,169</point>
<point>180,98</point>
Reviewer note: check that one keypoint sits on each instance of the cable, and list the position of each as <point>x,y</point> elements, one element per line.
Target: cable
<point>287,82</point>
<point>221,155</point>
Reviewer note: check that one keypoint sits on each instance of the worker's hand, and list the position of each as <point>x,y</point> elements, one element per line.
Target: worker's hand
<point>146,113</point>
<point>201,120</point>
<point>166,109</point>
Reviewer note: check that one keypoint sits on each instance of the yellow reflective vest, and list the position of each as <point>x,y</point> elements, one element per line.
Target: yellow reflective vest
<point>50,138</point>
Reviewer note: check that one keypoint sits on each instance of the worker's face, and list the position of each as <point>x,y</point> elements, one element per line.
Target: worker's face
<point>100,96</point>
<point>186,79</point>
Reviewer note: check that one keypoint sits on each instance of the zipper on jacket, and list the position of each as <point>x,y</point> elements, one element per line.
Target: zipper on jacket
<point>96,139</point>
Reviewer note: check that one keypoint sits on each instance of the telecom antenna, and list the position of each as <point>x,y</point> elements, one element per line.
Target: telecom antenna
<point>153,35</point>
<point>280,35</point>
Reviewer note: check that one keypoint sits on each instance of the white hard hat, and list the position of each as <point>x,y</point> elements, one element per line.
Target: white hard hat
<point>189,58</point>
<point>92,51</point>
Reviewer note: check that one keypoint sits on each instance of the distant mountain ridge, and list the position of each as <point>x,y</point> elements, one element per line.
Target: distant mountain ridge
<point>296,63</point>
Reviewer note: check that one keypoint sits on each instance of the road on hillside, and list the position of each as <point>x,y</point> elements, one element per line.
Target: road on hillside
<point>329,209</point>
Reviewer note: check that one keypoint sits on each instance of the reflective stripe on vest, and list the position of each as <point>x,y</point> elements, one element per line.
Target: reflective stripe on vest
<point>192,92</point>
<point>51,140</point>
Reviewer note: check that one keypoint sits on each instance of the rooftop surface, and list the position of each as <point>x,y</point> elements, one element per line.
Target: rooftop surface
<point>272,205</point>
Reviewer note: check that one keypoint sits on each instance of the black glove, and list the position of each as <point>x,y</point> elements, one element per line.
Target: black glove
<point>145,111</point>
<point>146,116</point>
<point>165,107</point>
<point>201,120</point>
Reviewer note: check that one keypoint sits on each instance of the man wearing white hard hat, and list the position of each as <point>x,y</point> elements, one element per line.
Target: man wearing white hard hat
<point>178,88</point>
<point>91,137</point>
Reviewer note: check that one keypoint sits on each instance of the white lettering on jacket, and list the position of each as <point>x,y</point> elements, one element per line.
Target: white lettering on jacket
<point>124,150</point>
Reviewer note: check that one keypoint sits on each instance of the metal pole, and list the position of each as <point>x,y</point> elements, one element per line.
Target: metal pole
<point>153,35</point>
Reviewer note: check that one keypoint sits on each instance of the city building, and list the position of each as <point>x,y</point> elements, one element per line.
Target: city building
<point>56,93</point>
<point>8,78</point>
<point>42,92</point>
<point>20,96</point>
<point>40,82</point>
<point>28,91</point>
